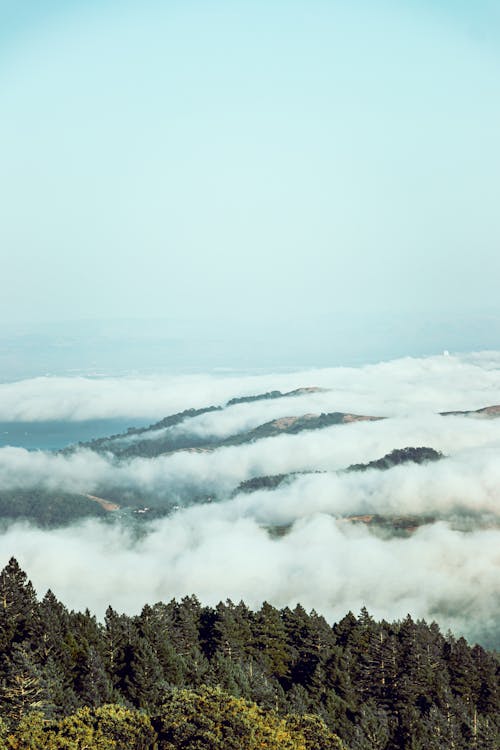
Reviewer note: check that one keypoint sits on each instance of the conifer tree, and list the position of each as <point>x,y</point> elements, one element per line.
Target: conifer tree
<point>22,689</point>
<point>19,618</point>
<point>92,684</point>
<point>270,644</point>
<point>143,680</point>
<point>372,728</point>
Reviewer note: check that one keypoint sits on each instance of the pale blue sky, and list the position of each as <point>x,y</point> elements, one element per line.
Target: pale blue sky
<point>232,163</point>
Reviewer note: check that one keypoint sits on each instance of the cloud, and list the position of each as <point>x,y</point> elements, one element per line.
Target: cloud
<point>398,387</point>
<point>20,469</point>
<point>438,573</point>
<point>467,477</point>
<point>227,549</point>
<point>466,483</point>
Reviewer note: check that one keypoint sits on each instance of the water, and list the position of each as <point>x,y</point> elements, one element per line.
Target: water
<point>54,435</point>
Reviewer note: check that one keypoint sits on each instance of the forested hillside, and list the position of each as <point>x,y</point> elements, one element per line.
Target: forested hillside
<point>184,675</point>
<point>119,464</point>
<point>47,508</point>
<point>163,438</point>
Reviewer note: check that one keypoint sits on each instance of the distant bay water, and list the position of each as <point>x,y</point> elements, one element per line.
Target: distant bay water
<point>54,435</point>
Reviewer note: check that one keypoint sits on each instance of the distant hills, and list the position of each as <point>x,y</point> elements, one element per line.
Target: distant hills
<point>115,443</point>
<point>275,394</point>
<point>161,438</point>
<point>165,436</point>
<point>487,412</point>
<point>394,458</point>
<point>399,456</point>
<point>47,508</point>
<point>183,431</point>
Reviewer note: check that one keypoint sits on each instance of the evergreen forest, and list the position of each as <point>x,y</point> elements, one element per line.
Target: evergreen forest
<point>184,675</point>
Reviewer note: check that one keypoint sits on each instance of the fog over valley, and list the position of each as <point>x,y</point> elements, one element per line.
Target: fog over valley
<point>268,487</point>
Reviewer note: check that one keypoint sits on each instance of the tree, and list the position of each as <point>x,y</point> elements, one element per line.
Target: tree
<point>209,719</point>
<point>22,690</point>
<point>316,734</point>
<point>106,728</point>
<point>143,681</point>
<point>118,636</point>
<point>488,668</point>
<point>372,728</point>
<point>127,728</point>
<point>19,618</point>
<point>93,685</point>
<point>225,630</point>
<point>270,643</point>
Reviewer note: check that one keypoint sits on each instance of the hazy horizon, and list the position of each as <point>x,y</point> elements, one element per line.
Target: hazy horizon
<point>247,184</point>
<point>121,347</point>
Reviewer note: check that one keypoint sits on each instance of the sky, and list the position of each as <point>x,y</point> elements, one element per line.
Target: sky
<point>247,183</point>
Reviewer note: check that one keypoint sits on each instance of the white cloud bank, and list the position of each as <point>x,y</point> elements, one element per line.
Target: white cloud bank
<point>398,387</point>
<point>438,573</point>
<point>223,549</point>
<point>468,477</point>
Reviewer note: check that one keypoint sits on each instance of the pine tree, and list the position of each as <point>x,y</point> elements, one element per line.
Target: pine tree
<point>61,697</point>
<point>143,680</point>
<point>340,699</point>
<point>486,735</point>
<point>22,689</point>
<point>270,643</point>
<point>55,620</point>
<point>19,619</point>
<point>488,671</point>
<point>230,676</point>
<point>346,629</point>
<point>311,640</point>
<point>225,630</point>
<point>92,683</point>
<point>119,634</point>
<point>186,633</point>
<point>372,728</point>
<point>156,625</point>
<point>464,678</point>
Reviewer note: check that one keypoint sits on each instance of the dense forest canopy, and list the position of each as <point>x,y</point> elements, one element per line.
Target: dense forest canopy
<point>184,675</point>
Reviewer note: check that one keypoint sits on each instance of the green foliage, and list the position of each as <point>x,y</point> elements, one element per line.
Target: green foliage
<point>259,397</point>
<point>221,677</point>
<point>210,718</point>
<point>267,482</point>
<point>317,736</point>
<point>22,688</point>
<point>110,727</point>
<point>3,734</point>
<point>47,508</point>
<point>400,456</point>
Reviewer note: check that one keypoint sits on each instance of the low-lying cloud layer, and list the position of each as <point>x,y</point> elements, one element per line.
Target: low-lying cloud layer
<point>398,387</point>
<point>467,477</point>
<point>438,573</point>
<point>227,548</point>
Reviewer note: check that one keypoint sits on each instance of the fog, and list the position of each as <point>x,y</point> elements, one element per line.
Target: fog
<point>447,570</point>
<point>439,383</point>
<point>438,573</point>
<point>466,477</point>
